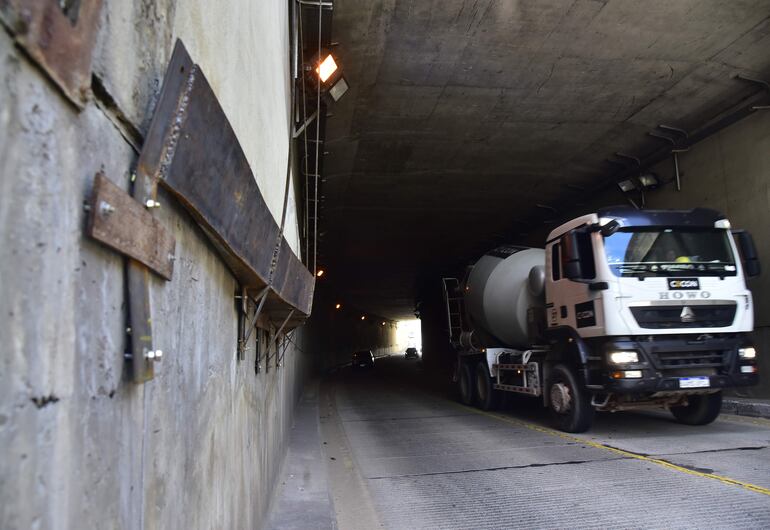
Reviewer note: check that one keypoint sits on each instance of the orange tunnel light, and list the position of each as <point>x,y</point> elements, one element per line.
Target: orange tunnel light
<point>326,69</point>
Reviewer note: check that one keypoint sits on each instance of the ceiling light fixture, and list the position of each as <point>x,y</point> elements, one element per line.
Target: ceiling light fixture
<point>627,185</point>
<point>649,180</point>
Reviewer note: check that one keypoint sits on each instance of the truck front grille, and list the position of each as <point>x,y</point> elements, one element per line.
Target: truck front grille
<point>693,316</point>
<point>690,359</point>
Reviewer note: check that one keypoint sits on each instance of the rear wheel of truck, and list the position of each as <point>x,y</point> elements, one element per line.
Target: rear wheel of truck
<point>700,410</point>
<point>570,403</point>
<point>465,383</point>
<point>487,397</point>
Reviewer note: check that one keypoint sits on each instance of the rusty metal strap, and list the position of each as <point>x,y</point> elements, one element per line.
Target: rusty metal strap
<point>192,150</point>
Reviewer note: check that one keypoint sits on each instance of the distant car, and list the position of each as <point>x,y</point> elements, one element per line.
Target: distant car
<point>362,359</point>
<point>411,353</point>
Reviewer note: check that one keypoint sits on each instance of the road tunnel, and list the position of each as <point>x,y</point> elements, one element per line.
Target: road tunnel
<point>463,131</point>
<point>270,265</point>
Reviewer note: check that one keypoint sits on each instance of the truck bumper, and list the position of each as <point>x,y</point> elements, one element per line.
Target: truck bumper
<point>672,364</point>
<point>652,385</point>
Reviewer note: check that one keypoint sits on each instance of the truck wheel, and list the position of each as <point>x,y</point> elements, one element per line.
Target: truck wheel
<point>466,384</point>
<point>487,397</point>
<point>570,403</point>
<point>700,410</point>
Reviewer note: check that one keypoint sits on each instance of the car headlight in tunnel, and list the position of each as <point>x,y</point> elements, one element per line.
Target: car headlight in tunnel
<point>747,353</point>
<point>621,357</point>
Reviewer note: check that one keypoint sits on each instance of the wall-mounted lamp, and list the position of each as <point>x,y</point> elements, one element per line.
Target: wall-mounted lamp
<point>649,180</point>
<point>627,185</point>
<point>338,89</point>
<point>326,69</point>
<point>320,273</point>
<point>330,75</point>
<point>646,181</point>
<point>363,317</point>
<point>338,306</point>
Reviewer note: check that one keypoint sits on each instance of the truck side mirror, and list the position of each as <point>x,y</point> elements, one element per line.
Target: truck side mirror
<point>748,253</point>
<point>572,268</point>
<point>610,228</point>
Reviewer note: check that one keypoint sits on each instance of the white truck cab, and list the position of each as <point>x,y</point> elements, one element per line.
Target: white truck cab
<point>656,302</point>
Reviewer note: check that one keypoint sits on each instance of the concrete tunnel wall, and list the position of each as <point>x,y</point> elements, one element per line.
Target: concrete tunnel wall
<point>200,445</point>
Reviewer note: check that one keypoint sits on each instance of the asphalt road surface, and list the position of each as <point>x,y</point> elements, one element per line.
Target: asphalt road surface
<point>408,456</point>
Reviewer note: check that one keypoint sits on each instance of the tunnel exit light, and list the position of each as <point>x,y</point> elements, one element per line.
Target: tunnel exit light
<point>326,69</point>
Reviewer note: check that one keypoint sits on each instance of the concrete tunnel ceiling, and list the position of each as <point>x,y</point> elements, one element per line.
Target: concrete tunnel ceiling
<point>463,115</point>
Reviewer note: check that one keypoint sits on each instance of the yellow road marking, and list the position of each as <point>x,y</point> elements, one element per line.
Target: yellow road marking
<point>597,445</point>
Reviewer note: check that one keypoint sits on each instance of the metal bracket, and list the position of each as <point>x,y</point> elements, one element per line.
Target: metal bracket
<point>674,151</point>
<point>124,224</point>
<point>60,37</point>
<point>318,3</point>
<point>764,84</point>
<point>308,121</point>
<point>243,333</point>
<point>629,157</point>
<point>288,341</point>
<point>275,341</point>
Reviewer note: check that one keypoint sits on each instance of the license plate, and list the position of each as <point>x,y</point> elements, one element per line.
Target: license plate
<point>694,382</point>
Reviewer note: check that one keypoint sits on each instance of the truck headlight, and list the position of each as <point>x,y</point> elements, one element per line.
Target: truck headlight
<point>620,357</point>
<point>747,353</point>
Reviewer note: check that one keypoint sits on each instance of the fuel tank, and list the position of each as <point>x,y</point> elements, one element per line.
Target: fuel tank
<point>499,290</point>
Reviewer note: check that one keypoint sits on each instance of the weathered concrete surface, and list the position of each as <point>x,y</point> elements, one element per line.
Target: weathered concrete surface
<point>242,47</point>
<point>200,445</point>
<point>302,499</point>
<point>759,408</point>
<point>428,462</point>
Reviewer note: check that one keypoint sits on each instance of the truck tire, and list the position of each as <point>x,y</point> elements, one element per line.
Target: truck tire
<point>570,403</point>
<point>487,397</point>
<point>465,384</point>
<point>700,410</point>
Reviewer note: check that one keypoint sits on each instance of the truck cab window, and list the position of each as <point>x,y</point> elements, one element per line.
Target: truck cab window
<point>556,261</point>
<point>586,256</point>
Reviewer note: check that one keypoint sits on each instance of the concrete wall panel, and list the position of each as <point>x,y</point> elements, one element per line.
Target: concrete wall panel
<point>200,445</point>
<point>242,47</point>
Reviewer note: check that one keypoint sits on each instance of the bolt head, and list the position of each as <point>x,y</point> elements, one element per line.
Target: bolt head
<point>106,208</point>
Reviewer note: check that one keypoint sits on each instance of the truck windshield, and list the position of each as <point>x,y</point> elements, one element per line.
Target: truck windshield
<point>669,252</point>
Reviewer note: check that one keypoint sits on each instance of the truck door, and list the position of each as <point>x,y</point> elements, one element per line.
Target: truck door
<point>570,302</point>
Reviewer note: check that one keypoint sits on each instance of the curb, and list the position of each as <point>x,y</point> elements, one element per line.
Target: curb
<point>746,407</point>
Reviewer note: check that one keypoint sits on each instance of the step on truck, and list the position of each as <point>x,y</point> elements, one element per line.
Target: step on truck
<point>623,309</point>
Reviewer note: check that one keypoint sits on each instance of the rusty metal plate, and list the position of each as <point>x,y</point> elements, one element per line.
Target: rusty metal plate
<point>122,223</point>
<point>59,35</point>
<point>192,150</point>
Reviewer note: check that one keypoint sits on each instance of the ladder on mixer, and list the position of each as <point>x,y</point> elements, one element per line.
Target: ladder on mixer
<point>454,307</point>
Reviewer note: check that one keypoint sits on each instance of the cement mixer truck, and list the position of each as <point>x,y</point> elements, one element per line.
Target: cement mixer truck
<point>623,309</point>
